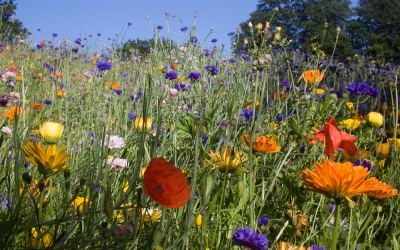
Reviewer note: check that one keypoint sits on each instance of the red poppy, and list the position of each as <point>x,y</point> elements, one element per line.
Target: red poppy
<point>334,139</point>
<point>37,106</point>
<point>166,184</point>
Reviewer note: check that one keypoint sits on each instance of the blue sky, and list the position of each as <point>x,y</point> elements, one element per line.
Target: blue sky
<point>78,18</point>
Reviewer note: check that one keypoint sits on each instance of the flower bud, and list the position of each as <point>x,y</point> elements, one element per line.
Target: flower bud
<point>67,174</point>
<point>108,208</point>
<point>250,25</point>
<point>379,209</point>
<point>67,185</point>
<point>27,178</point>
<point>375,119</point>
<point>157,235</point>
<point>325,25</point>
<point>382,149</point>
<point>258,26</point>
<point>240,187</point>
<point>51,131</point>
<point>41,186</point>
<point>199,221</point>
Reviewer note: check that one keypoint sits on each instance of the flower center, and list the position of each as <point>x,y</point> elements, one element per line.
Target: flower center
<point>160,189</point>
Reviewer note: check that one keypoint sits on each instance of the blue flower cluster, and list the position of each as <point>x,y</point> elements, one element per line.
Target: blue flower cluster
<point>102,66</point>
<point>360,88</point>
<point>249,239</point>
<point>171,75</point>
<point>213,70</point>
<point>194,76</point>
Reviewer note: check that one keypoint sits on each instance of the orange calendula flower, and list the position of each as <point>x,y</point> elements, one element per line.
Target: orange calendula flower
<point>338,180</point>
<point>12,112</point>
<point>113,85</point>
<point>263,144</point>
<point>61,93</point>
<point>382,191</point>
<point>313,76</point>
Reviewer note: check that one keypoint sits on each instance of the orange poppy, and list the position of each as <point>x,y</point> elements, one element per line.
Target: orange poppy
<point>37,106</point>
<point>338,180</point>
<point>12,112</point>
<point>313,76</point>
<point>382,191</point>
<point>334,139</point>
<point>166,184</point>
<point>263,144</point>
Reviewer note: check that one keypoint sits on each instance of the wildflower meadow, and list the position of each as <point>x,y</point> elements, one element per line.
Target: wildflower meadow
<point>171,145</point>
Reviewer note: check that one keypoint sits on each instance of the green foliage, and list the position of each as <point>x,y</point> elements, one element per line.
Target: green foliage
<point>10,28</point>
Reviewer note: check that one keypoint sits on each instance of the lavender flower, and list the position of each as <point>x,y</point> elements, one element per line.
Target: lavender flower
<point>101,66</point>
<point>171,75</point>
<point>249,239</point>
<point>194,76</point>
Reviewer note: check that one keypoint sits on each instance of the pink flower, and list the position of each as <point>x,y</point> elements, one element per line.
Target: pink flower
<point>163,102</point>
<point>117,163</point>
<point>114,142</point>
<point>15,96</point>
<point>172,92</point>
<point>6,130</point>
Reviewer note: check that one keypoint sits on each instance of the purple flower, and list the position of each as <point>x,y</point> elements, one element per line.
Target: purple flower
<point>193,39</point>
<point>302,40</point>
<point>232,60</point>
<point>54,35</point>
<point>132,116</point>
<point>78,41</point>
<point>286,84</point>
<point>181,87</point>
<point>118,91</point>
<point>360,88</point>
<point>246,58</point>
<point>47,101</point>
<point>171,75</point>
<point>204,139</point>
<point>262,221</point>
<point>194,76</point>
<point>315,247</point>
<point>129,23</point>
<point>91,134</point>
<point>249,239</point>
<point>214,40</point>
<point>362,162</point>
<point>159,27</point>
<point>248,113</point>
<point>3,102</point>
<point>101,66</point>
<point>183,29</point>
<point>98,34</point>
<point>280,117</point>
<point>213,70</point>
<point>5,203</point>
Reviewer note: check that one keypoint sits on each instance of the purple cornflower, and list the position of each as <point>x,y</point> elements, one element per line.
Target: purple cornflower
<point>232,60</point>
<point>360,88</point>
<point>91,134</point>
<point>132,116</point>
<point>249,239</point>
<point>101,66</point>
<point>129,23</point>
<point>280,117</point>
<point>246,58</point>
<point>47,101</point>
<point>193,39</point>
<point>315,247</point>
<point>286,84</point>
<point>183,29</point>
<point>98,34</point>
<point>213,70</point>
<point>331,207</point>
<point>3,102</point>
<point>124,74</point>
<point>171,75</point>
<point>118,91</point>
<point>144,46</point>
<point>262,221</point>
<point>194,76</point>
<point>78,41</point>
<point>5,203</point>
<point>248,114</point>
<point>204,139</point>
<point>159,27</point>
<point>302,40</point>
<point>363,162</point>
<point>181,87</point>
<point>54,35</point>
<point>62,85</point>
<point>214,40</point>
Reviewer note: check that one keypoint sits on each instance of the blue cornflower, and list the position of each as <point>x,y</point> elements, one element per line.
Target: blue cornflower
<point>194,76</point>
<point>5,203</point>
<point>171,75</point>
<point>213,70</point>
<point>280,117</point>
<point>302,40</point>
<point>360,88</point>
<point>181,86</point>
<point>144,46</point>
<point>243,52</point>
<point>262,221</point>
<point>78,41</point>
<point>249,239</point>
<point>46,65</point>
<point>248,113</point>
<point>129,23</point>
<point>47,101</point>
<point>315,247</point>
<point>214,40</point>
<point>91,134</point>
<point>159,27</point>
<point>331,207</point>
<point>193,39</point>
<point>132,116</point>
<point>101,66</point>
<point>39,46</point>
<point>62,85</point>
<point>286,84</point>
<point>118,91</point>
<point>363,162</point>
<point>232,60</point>
<point>246,58</point>
<point>124,74</point>
<point>204,139</point>
<point>54,35</point>
<point>183,29</point>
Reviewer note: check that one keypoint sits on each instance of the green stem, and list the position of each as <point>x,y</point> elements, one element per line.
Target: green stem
<point>336,225</point>
<point>363,226</point>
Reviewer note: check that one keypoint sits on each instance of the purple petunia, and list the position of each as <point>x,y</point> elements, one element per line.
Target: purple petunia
<point>171,75</point>
<point>102,66</point>
<point>194,76</point>
<point>360,88</point>
<point>249,239</point>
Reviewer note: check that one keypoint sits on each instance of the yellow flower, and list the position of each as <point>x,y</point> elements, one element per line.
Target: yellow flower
<point>361,153</point>
<point>181,78</point>
<point>90,80</point>
<point>392,141</point>
<point>258,26</point>
<point>125,186</point>
<point>250,25</point>
<point>41,241</point>
<point>46,159</point>
<point>313,76</point>
<point>158,248</point>
<point>338,180</point>
<point>199,221</point>
<point>278,29</point>
<point>230,160</point>
<point>287,246</point>
<point>382,149</point>
<point>263,144</point>
<point>19,78</point>
<point>375,119</point>
<point>139,124</point>
<point>151,215</point>
<point>350,105</point>
<point>350,123</point>
<point>51,131</point>
<point>319,91</point>
<point>141,172</point>
<point>81,203</point>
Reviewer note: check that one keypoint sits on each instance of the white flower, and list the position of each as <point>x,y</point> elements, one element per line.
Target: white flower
<point>6,130</point>
<point>117,163</point>
<point>114,142</point>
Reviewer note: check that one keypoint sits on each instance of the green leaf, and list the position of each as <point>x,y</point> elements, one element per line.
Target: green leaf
<point>6,227</point>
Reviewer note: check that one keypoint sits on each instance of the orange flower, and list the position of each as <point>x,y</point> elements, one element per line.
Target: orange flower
<point>12,112</point>
<point>58,74</point>
<point>37,106</point>
<point>313,76</point>
<point>338,180</point>
<point>277,95</point>
<point>79,78</point>
<point>382,191</point>
<point>166,184</point>
<point>113,85</point>
<point>61,93</point>
<point>263,144</point>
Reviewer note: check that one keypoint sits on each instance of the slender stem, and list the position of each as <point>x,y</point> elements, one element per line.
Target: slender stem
<point>336,225</point>
<point>363,226</point>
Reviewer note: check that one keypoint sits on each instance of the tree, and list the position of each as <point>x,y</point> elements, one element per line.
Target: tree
<point>303,21</point>
<point>376,29</point>
<point>10,28</point>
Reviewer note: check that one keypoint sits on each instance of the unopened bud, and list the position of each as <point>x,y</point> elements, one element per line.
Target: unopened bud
<point>108,208</point>
<point>27,178</point>
<point>67,174</point>
<point>82,182</point>
<point>41,186</point>
<point>325,25</point>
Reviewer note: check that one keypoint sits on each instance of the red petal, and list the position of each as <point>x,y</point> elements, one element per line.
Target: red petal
<point>332,138</point>
<point>349,147</point>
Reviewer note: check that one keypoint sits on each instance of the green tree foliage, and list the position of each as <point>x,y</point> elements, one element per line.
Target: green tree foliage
<point>305,19</point>
<point>10,28</point>
<point>376,30</point>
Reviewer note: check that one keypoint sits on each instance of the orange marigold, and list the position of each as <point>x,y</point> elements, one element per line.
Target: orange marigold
<point>382,191</point>
<point>338,180</point>
<point>263,144</point>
